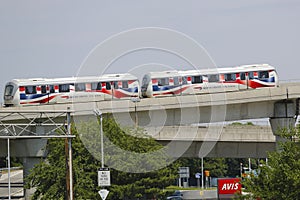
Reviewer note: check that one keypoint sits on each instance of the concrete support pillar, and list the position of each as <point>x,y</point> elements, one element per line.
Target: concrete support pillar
<point>28,164</point>
<point>37,148</point>
<point>285,115</point>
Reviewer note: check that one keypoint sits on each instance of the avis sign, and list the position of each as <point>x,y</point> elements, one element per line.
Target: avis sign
<point>227,187</point>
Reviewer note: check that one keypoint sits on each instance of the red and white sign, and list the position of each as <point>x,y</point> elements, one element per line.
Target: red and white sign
<point>229,186</point>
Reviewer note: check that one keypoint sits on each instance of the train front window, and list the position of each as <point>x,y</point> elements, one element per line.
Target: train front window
<point>30,89</point>
<point>9,90</point>
<point>263,74</point>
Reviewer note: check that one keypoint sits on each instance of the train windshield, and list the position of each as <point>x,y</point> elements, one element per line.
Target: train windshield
<point>9,90</point>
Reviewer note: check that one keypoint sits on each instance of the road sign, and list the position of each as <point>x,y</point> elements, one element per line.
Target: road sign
<point>184,172</point>
<point>103,177</point>
<point>198,175</point>
<point>103,193</point>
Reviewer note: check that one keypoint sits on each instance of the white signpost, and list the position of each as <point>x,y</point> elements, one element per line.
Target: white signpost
<point>103,193</point>
<point>103,177</point>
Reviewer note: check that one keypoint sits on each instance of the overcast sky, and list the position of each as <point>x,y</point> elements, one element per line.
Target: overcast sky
<point>52,38</point>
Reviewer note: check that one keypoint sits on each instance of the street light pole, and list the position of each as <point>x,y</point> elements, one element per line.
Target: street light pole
<point>98,113</point>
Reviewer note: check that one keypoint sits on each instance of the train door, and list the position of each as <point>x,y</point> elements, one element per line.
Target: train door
<point>108,92</point>
<point>117,92</point>
<point>146,89</point>
<point>43,91</point>
<point>176,85</point>
<point>250,78</point>
<point>52,93</point>
<point>197,82</point>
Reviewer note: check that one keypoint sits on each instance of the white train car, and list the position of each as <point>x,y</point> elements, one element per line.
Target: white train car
<point>165,83</point>
<point>74,89</point>
<point>228,79</point>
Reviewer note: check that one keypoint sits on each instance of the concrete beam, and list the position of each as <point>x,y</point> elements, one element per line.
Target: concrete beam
<point>220,149</point>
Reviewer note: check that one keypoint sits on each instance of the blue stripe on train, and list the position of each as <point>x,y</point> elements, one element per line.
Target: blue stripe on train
<point>31,96</point>
<point>163,88</point>
<point>267,80</point>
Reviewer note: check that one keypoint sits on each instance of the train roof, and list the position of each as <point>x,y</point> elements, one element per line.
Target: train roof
<point>163,74</point>
<point>242,68</point>
<point>224,70</point>
<point>102,78</point>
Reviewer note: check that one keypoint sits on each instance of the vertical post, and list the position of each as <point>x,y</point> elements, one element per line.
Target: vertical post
<point>249,161</point>
<point>101,135</point>
<point>98,113</point>
<point>67,168</point>
<point>241,169</point>
<point>136,118</point>
<point>8,166</point>
<point>135,101</point>
<point>70,156</point>
<point>202,174</point>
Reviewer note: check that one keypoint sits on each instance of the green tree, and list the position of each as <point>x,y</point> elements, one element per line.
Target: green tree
<point>280,177</point>
<point>216,166</point>
<point>48,177</point>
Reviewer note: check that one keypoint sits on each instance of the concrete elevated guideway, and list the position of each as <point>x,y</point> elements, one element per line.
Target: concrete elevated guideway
<point>275,103</point>
<point>232,141</point>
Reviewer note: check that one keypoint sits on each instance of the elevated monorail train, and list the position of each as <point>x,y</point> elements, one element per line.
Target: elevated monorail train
<point>20,92</point>
<point>166,83</point>
<point>65,90</point>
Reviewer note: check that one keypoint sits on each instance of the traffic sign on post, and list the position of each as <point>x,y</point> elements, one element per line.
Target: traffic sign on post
<point>184,172</point>
<point>103,193</point>
<point>103,177</point>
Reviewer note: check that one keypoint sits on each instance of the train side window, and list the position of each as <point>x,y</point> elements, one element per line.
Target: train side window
<point>184,80</point>
<point>116,85</point>
<point>263,74</point>
<point>64,88</point>
<point>124,84</point>
<point>80,87</point>
<point>43,89</point>
<point>52,89</point>
<point>243,76</point>
<point>251,75</point>
<point>230,77</point>
<point>30,89</point>
<point>96,86</point>
<point>108,85</point>
<point>176,80</point>
<point>213,78</point>
<point>197,79</point>
<point>163,81</point>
